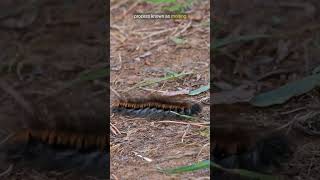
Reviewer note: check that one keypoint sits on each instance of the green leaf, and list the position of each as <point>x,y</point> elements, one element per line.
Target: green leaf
<point>284,93</point>
<point>196,166</point>
<point>199,90</point>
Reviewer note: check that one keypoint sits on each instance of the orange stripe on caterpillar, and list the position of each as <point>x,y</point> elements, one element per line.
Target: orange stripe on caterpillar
<point>60,138</point>
<point>85,155</point>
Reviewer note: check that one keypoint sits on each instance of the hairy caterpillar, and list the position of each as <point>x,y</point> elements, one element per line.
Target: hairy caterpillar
<point>60,146</point>
<point>155,107</point>
<point>241,147</point>
<point>81,142</point>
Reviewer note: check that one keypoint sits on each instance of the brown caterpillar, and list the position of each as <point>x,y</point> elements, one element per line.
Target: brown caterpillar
<point>63,139</point>
<point>155,107</point>
<point>242,147</point>
<point>61,146</point>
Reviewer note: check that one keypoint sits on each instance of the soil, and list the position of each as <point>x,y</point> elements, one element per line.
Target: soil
<point>144,49</point>
<point>264,64</point>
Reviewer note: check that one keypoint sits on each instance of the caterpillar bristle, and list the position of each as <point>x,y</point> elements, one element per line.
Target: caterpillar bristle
<point>55,138</point>
<point>155,107</point>
<point>239,147</point>
<point>58,150</point>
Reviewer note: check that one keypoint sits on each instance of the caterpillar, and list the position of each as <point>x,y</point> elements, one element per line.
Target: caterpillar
<point>60,146</point>
<point>155,107</point>
<point>64,134</point>
<point>242,147</point>
<point>81,142</point>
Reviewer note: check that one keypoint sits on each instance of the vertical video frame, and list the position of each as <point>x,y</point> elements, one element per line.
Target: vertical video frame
<point>159,81</point>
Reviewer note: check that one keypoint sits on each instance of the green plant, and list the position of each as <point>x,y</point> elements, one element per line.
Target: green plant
<point>173,5</point>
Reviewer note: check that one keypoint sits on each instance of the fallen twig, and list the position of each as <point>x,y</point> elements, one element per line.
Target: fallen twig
<point>186,123</point>
<point>9,169</point>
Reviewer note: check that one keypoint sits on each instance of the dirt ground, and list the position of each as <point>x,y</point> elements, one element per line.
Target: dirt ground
<point>147,50</point>
<point>263,64</point>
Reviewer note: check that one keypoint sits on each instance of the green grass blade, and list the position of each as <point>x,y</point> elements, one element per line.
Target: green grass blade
<point>199,90</point>
<point>182,115</point>
<point>196,166</point>
<point>206,165</point>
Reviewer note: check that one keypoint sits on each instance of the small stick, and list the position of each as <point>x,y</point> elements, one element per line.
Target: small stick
<point>202,149</point>
<point>185,123</point>
<point>6,138</point>
<point>113,131</point>
<point>115,92</point>
<point>115,128</point>
<point>185,133</point>
<point>114,176</point>
<point>7,171</point>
